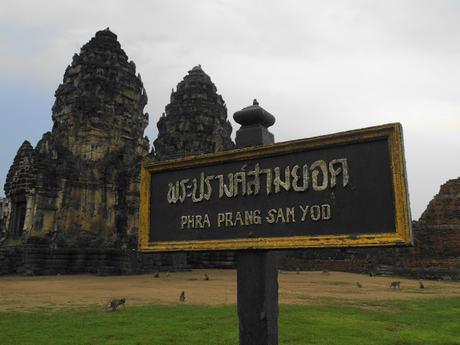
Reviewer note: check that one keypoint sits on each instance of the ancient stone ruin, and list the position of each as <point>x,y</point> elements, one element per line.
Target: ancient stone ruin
<point>195,121</point>
<point>77,191</point>
<point>72,200</point>
<point>437,235</point>
<point>80,183</point>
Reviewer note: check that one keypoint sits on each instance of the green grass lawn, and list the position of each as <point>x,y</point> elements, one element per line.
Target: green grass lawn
<point>427,322</point>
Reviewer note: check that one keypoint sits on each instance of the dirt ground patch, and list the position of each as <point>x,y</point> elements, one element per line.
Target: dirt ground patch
<point>24,293</point>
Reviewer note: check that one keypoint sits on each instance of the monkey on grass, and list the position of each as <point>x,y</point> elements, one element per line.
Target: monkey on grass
<point>395,284</point>
<point>113,304</point>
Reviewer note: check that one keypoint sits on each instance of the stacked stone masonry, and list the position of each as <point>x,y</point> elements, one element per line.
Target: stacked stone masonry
<point>76,194</point>
<point>82,178</point>
<point>195,121</point>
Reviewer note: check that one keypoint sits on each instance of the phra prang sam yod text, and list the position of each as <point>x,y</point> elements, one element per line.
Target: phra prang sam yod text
<point>317,176</point>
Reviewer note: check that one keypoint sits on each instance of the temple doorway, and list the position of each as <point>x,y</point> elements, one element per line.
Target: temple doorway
<point>19,216</point>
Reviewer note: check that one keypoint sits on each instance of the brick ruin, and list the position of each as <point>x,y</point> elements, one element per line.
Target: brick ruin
<point>72,202</point>
<point>437,235</point>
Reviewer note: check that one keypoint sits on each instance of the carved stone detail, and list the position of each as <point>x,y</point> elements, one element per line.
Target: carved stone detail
<point>195,120</point>
<point>80,185</point>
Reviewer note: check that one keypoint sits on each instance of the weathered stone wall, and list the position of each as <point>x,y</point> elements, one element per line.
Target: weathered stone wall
<point>11,259</point>
<point>3,214</point>
<point>41,259</point>
<point>224,259</point>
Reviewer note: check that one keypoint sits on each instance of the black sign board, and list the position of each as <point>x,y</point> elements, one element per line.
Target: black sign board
<point>346,189</point>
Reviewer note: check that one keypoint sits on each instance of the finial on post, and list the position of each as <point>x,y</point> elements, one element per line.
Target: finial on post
<point>254,121</point>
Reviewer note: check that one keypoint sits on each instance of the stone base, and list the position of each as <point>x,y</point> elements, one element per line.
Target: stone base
<point>211,259</point>
<point>42,260</point>
<point>373,261</point>
<point>11,258</point>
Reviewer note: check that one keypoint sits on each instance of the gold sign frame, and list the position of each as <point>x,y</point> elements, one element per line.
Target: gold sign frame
<point>402,235</point>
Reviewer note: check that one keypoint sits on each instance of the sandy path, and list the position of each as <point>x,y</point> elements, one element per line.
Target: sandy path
<point>302,288</point>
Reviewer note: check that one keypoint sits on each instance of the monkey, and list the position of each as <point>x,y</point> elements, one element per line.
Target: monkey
<point>157,275</point>
<point>115,303</point>
<point>359,285</point>
<point>421,285</point>
<point>182,296</point>
<point>395,284</point>
<point>206,277</point>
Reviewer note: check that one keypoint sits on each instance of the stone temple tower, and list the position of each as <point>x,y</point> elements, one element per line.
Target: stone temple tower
<point>79,187</point>
<point>195,120</point>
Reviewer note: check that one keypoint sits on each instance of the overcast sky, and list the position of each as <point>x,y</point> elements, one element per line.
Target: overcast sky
<point>319,66</point>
